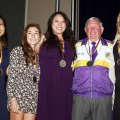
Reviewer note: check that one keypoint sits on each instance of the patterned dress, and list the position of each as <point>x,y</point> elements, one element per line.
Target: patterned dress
<point>20,82</point>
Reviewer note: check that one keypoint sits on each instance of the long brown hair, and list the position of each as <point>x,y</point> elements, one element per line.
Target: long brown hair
<point>29,54</point>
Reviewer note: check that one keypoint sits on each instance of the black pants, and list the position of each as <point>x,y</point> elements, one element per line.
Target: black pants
<point>116,107</point>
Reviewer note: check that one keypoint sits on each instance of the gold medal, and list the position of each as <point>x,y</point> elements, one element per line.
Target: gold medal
<point>62,63</point>
<point>89,63</point>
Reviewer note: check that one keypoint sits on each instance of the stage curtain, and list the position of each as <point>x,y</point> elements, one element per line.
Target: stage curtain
<point>106,10</point>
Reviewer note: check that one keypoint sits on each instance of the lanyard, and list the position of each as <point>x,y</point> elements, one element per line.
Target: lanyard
<point>90,51</point>
<point>63,49</point>
<point>35,71</point>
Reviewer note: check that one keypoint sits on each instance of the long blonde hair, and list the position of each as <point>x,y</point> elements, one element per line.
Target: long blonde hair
<point>118,31</point>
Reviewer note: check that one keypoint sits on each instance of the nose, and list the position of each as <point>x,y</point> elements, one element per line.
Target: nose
<point>60,23</point>
<point>33,35</point>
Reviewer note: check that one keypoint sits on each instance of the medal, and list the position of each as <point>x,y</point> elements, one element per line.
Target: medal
<point>34,79</point>
<point>118,61</point>
<point>89,63</point>
<point>62,63</point>
<point>1,72</point>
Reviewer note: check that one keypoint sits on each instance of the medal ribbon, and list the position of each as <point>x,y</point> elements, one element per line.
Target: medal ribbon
<point>95,48</point>
<point>62,62</point>
<point>94,51</point>
<point>35,72</point>
<point>35,69</point>
<point>62,49</point>
<point>90,52</point>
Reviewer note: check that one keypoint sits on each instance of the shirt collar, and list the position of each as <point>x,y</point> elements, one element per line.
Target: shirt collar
<point>89,41</point>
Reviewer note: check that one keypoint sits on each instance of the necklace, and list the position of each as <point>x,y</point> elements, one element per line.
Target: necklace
<point>90,63</point>
<point>62,62</point>
<point>34,70</point>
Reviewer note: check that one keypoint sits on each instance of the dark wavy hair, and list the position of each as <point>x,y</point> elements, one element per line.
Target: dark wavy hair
<point>68,34</point>
<point>29,54</point>
<point>4,37</point>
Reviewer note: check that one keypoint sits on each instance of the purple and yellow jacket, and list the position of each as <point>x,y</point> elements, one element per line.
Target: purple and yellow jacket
<point>92,81</point>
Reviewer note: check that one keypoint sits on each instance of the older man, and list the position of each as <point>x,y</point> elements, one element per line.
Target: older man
<point>92,86</point>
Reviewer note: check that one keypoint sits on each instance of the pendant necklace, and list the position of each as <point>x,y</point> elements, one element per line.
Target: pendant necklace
<point>90,63</point>
<point>62,62</point>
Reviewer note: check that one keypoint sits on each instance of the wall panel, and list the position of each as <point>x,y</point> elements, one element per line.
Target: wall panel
<point>14,12</point>
<point>39,11</point>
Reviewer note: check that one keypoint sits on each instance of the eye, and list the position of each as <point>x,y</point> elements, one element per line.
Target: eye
<point>55,21</point>
<point>1,24</point>
<point>29,33</point>
<point>36,33</point>
<point>63,21</point>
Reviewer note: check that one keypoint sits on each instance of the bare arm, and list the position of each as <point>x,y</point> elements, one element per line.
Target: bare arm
<point>7,70</point>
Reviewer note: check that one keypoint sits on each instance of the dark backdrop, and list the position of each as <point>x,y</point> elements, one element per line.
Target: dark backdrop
<point>14,13</point>
<point>106,10</point>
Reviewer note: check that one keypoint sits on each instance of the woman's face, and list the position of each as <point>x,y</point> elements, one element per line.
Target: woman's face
<point>2,27</point>
<point>58,25</point>
<point>33,36</point>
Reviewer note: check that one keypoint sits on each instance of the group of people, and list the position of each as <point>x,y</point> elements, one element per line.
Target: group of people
<point>55,77</point>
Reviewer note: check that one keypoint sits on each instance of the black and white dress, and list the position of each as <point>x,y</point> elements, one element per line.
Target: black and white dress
<point>20,82</point>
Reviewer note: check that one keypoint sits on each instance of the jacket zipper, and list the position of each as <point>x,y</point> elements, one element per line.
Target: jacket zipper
<point>91,81</point>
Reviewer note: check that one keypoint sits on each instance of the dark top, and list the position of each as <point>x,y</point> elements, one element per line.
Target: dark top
<point>116,107</point>
<point>55,95</point>
<point>4,114</point>
<point>117,68</point>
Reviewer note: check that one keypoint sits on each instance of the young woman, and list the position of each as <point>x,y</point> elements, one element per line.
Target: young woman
<point>56,55</point>
<point>116,52</point>
<point>4,62</point>
<point>24,73</point>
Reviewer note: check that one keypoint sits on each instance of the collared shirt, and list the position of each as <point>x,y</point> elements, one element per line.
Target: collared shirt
<point>89,45</point>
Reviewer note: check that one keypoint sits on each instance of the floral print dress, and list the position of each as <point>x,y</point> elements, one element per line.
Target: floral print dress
<point>20,82</point>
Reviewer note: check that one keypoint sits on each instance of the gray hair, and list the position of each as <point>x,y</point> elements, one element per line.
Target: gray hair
<point>93,18</point>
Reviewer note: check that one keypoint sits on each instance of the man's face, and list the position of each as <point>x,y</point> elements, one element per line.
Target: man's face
<point>93,30</point>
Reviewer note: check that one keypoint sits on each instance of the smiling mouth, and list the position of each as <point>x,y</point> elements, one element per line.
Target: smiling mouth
<point>59,28</point>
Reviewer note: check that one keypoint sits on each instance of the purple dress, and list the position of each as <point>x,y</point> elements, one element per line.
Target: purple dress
<point>55,95</point>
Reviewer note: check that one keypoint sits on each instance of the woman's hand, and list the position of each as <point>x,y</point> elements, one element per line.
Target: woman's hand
<point>37,47</point>
<point>14,105</point>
